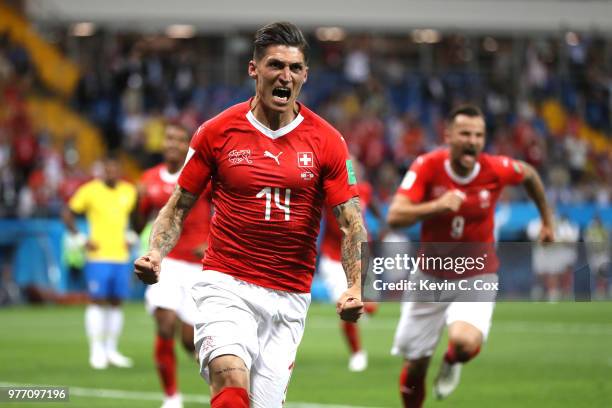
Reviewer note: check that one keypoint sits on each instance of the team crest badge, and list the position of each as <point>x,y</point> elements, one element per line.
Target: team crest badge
<point>208,343</point>
<point>485,198</point>
<point>437,191</point>
<point>238,156</point>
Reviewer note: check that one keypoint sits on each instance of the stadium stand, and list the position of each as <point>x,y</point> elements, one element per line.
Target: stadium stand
<point>546,97</point>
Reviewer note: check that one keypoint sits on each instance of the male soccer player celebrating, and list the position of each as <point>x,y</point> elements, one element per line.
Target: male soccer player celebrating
<point>454,191</point>
<point>170,300</point>
<point>107,205</point>
<point>273,163</point>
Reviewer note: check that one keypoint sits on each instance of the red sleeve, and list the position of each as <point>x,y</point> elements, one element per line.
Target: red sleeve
<point>144,203</point>
<point>414,182</point>
<point>199,163</point>
<point>339,182</point>
<point>508,170</point>
<point>365,194</point>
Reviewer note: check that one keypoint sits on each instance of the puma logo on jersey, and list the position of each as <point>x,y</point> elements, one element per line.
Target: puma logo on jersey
<point>273,157</point>
<point>238,156</point>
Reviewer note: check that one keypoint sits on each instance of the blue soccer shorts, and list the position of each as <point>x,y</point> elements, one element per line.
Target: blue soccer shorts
<point>108,280</point>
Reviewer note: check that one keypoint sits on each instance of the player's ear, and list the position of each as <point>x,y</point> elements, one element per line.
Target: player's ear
<point>252,69</point>
<point>305,75</point>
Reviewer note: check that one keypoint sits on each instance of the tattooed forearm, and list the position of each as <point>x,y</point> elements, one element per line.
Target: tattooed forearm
<point>169,222</point>
<point>350,221</point>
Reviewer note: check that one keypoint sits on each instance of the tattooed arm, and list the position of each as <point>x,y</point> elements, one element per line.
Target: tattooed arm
<point>350,220</point>
<point>164,234</point>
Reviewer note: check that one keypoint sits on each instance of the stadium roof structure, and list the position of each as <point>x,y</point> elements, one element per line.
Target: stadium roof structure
<point>387,15</point>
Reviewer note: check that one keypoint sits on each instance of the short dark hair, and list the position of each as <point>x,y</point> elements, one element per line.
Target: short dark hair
<point>175,123</point>
<point>279,33</point>
<point>470,110</point>
<point>111,156</point>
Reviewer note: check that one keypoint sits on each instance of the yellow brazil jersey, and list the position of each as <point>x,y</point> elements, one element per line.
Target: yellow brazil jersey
<point>107,211</point>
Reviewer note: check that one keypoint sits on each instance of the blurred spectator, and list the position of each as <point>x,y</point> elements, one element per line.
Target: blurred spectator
<point>25,147</point>
<point>153,132</point>
<point>598,248</point>
<point>357,63</point>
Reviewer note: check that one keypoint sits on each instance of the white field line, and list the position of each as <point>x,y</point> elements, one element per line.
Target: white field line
<point>542,327</point>
<point>157,396</point>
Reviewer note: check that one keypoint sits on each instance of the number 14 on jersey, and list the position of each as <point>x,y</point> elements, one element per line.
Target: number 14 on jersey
<point>267,193</point>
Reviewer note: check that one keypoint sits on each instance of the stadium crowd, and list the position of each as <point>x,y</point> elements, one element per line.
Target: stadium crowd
<point>547,102</point>
<point>35,177</point>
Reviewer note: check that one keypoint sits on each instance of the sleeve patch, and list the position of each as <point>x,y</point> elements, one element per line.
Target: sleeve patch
<point>190,154</point>
<point>408,180</point>
<point>352,179</point>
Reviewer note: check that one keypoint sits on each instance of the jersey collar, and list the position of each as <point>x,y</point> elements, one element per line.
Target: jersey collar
<point>167,177</point>
<point>459,179</point>
<point>274,134</point>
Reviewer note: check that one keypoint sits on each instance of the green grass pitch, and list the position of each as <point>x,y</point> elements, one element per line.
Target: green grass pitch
<point>538,355</point>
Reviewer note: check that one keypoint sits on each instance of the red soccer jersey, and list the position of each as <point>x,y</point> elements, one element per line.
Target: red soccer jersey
<point>332,236</point>
<point>158,185</point>
<point>268,191</point>
<point>431,175</point>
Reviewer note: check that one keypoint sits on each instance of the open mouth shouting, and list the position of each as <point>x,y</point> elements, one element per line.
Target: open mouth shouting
<point>281,95</point>
<point>468,156</point>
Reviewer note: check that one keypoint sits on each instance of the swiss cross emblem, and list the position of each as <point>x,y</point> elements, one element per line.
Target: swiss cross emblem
<point>305,159</point>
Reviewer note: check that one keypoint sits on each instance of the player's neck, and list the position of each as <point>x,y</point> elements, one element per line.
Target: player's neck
<point>173,168</point>
<point>459,170</point>
<point>271,119</point>
<point>110,183</point>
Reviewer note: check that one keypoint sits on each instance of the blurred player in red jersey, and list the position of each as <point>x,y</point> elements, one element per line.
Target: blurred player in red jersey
<point>454,191</point>
<point>273,164</point>
<point>169,300</point>
<point>331,271</point>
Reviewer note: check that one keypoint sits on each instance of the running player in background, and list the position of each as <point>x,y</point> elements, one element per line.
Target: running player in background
<point>454,191</point>
<point>331,271</point>
<point>273,163</point>
<point>107,204</point>
<point>169,300</point>
<point>553,265</point>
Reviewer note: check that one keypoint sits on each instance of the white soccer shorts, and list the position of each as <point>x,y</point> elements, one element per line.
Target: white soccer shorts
<point>333,276</point>
<point>554,259</point>
<point>261,326</point>
<point>173,291</point>
<point>421,324</point>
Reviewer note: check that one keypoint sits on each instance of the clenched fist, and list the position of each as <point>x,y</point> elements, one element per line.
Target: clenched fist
<point>451,200</point>
<point>350,306</point>
<point>147,267</point>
